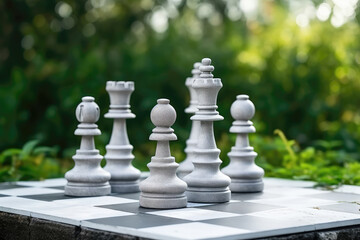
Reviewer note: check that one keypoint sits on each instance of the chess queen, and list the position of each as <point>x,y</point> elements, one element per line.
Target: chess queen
<point>206,183</point>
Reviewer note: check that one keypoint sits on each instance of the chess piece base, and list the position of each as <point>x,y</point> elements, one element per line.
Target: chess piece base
<point>246,186</point>
<point>208,197</point>
<point>124,187</point>
<point>86,190</point>
<point>163,203</point>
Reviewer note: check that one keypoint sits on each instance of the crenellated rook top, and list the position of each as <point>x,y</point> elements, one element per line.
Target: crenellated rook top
<point>119,85</point>
<point>120,93</point>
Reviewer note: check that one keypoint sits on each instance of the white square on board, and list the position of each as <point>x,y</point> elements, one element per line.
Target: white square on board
<point>194,231</point>
<point>25,191</point>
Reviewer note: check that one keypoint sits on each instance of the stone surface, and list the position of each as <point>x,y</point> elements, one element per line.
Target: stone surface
<point>124,177</point>
<point>18,227</point>
<point>245,175</point>
<point>187,166</point>
<point>87,178</point>
<point>40,229</point>
<point>13,226</point>
<point>348,233</point>
<point>93,234</point>
<point>302,236</point>
<point>163,189</point>
<point>206,183</point>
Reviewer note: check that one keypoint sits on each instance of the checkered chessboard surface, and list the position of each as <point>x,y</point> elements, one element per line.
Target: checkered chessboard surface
<point>285,207</point>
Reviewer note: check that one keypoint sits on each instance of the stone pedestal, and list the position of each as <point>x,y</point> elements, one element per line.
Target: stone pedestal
<point>206,183</point>
<point>163,189</point>
<point>245,175</point>
<point>87,178</point>
<point>124,177</point>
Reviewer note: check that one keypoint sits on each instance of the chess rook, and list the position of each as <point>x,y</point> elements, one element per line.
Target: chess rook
<point>124,177</point>
<point>163,189</point>
<point>206,183</point>
<point>187,166</point>
<point>87,178</point>
<point>245,175</point>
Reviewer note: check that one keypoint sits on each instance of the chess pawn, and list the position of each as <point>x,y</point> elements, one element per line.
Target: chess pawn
<point>245,175</point>
<point>206,183</point>
<point>187,166</point>
<point>163,189</point>
<point>87,178</point>
<point>124,177</point>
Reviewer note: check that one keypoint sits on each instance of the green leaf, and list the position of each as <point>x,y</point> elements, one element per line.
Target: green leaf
<point>44,149</point>
<point>9,152</point>
<point>28,148</point>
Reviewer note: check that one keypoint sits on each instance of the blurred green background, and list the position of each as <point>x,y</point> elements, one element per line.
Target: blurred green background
<point>297,60</point>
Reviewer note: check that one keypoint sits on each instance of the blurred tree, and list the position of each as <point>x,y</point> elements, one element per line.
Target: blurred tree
<point>297,60</point>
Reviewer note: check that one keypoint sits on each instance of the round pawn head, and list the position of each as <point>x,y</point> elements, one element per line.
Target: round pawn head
<point>163,116</point>
<point>87,111</point>
<point>242,109</point>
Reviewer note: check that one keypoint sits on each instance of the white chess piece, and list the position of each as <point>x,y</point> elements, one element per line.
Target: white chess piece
<point>245,175</point>
<point>163,189</point>
<point>87,178</point>
<point>187,166</point>
<point>124,177</point>
<point>206,183</point>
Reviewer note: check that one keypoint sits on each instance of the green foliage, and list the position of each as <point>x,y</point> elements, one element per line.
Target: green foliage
<point>324,163</point>
<point>280,157</point>
<point>303,80</point>
<point>30,162</point>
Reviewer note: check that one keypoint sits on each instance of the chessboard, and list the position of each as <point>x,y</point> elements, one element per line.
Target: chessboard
<point>285,207</point>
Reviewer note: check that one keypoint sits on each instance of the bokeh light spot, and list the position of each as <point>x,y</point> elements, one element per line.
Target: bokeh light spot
<point>27,42</point>
<point>159,20</point>
<point>63,9</point>
<point>89,30</point>
<point>302,20</point>
<point>323,12</point>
